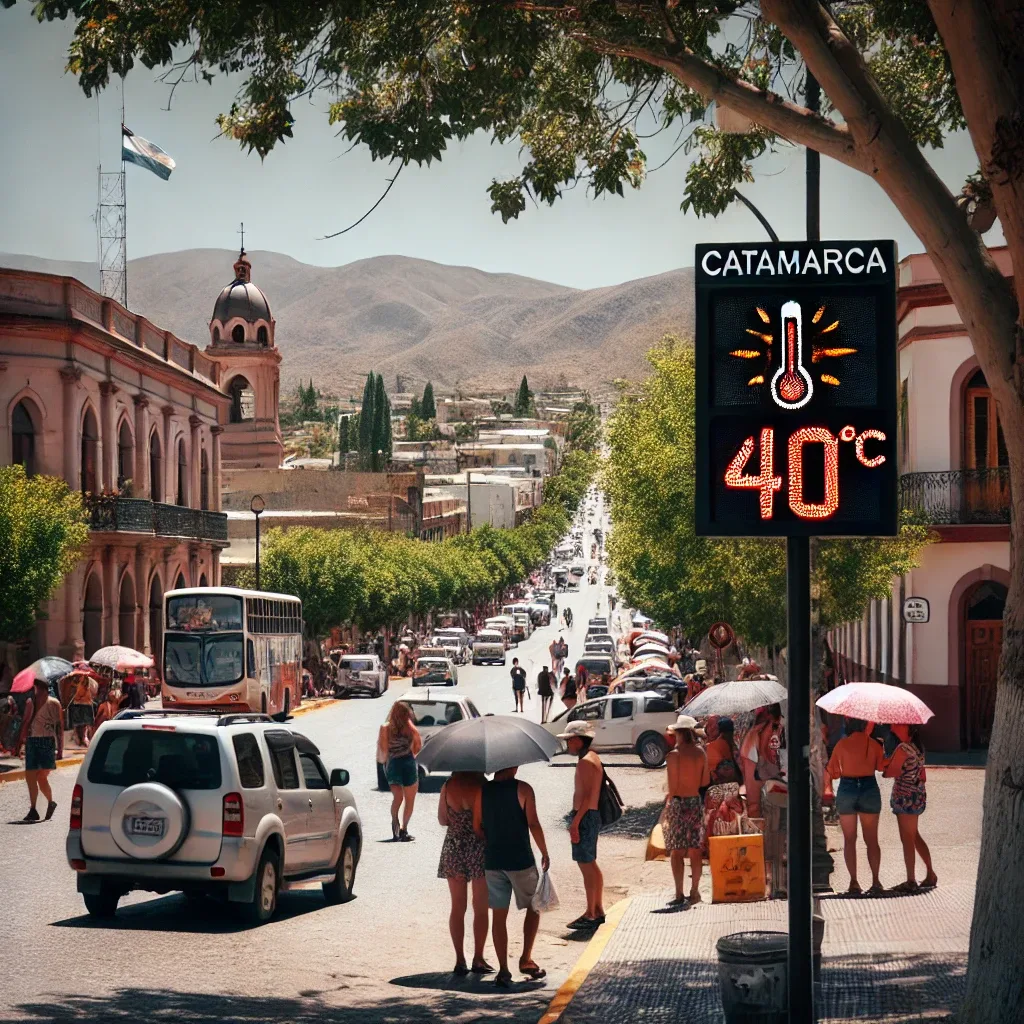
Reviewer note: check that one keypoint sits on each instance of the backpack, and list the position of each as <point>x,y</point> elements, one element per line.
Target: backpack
<point>726,771</point>
<point>609,803</point>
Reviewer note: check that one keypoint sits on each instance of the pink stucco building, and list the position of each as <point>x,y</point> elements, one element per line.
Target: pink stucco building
<point>141,422</point>
<point>954,473</point>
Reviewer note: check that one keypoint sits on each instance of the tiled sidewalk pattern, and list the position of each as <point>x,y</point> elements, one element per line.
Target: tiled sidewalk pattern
<point>893,959</point>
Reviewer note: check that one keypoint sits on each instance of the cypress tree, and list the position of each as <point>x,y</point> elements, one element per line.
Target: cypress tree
<point>366,421</point>
<point>428,408</point>
<point>522,406</point>
<point>381,427</point>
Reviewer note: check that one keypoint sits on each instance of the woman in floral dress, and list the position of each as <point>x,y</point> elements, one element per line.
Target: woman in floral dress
<point>908,802</point>
<point>460,809</point>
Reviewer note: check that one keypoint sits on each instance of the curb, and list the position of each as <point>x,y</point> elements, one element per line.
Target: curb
<point>595,947</point>
<point>64,762</point>
<point>71,762</point>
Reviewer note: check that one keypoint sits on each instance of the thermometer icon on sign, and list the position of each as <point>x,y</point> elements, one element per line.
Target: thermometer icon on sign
<point>791,386</point>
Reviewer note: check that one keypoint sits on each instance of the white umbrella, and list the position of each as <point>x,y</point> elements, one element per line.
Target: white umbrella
<point>121,659</point>
<point>652,648</point>
<point>736,698</point>
<point>653,634</point>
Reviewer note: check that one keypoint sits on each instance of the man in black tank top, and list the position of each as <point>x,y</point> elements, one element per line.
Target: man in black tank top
<point>509,819</point>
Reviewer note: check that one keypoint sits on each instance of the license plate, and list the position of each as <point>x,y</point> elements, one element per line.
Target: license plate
<point>146,826</point>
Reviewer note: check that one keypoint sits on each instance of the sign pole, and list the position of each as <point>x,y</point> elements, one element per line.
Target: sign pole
<point>799,839</point>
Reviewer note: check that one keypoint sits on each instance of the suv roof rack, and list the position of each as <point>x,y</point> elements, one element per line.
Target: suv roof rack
<point>223,718</point>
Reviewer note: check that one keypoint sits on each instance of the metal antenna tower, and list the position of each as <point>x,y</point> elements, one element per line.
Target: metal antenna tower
<point>112,221</point>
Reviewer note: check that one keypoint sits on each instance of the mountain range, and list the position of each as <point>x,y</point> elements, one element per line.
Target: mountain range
<point>414,319</point>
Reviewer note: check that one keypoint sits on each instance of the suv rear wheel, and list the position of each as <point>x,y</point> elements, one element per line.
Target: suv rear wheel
<point>340,889</point>
<point>102,904</point>
<point>264,898</point>
<point>651,748</point>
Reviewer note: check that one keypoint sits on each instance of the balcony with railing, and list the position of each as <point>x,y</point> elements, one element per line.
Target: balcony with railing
<point>958,497</point>
<point>140,515</point>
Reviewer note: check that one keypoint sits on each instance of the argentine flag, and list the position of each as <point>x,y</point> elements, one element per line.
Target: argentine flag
<point>137,150</point>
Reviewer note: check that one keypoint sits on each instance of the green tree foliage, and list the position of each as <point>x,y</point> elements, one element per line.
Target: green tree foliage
<point>428,407</point>
<point>584,427</point>
<point>524,398</point>
<point>678,577</point>
<point>42,532</point>
<point>380,437</point>
<point>379,579</point>
<point>345,434</point>
<point>367,419</point>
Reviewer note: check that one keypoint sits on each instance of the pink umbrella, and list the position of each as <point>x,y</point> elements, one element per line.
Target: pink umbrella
<point>122,659</point>
<point>876,702</point>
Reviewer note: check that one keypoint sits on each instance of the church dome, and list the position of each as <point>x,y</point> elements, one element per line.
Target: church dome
<point>241,298</point>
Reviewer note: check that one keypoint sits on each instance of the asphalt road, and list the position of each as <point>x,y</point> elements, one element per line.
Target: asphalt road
<point>385,956</point>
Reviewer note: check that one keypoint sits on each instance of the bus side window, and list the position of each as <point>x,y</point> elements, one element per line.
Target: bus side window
<point>250,650</point>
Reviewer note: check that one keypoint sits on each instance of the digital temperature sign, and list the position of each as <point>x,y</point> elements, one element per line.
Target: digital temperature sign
<point>796,389</point>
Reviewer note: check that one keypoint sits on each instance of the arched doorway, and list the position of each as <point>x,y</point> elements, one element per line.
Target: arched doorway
<point>202,580</point>
<point>90,454</point>
<point>204,481</point>
<point>126,612</point>
<point>182,473</point>
<point>156,468</point>
<point>984,457</point>
<point>156,619</point>
<point>181,582</point>
<point>92,615</point>
<point>243,400</point>
<point>125,456</point>
<point>982,637</point>
<point>23,436</point>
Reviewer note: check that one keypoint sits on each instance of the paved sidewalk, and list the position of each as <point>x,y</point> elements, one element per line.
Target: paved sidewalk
<point>899,958</point>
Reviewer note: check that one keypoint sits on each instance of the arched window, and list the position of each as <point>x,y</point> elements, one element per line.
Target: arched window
<point>238,334</point>
<point>92,615</point>
<point>156,618</point>
<point>23,437</point>
<point>243,400</point>
<point>204,481</point>
<point>90,454</point>
<point>202,580</point>
<point>125,456</point>
<point>156,468</point>
<point>216,335</point>
<point>182,473</point>
<point>262,337</point>
<point>181,583</point>
<point>126,613</point>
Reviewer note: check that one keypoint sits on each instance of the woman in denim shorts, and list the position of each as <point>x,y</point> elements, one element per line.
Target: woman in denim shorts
<point>854,761</point>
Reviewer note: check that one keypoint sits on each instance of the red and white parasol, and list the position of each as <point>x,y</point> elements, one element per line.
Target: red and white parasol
<point>876,702</point>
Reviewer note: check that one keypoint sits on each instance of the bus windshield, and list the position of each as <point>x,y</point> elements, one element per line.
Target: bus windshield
<point>204,611</point>
<point>203,660</point>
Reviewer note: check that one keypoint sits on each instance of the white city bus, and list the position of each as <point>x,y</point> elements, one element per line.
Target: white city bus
<point>232,650</point>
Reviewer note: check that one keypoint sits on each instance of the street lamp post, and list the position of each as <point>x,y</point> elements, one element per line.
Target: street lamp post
<point>256,506</point>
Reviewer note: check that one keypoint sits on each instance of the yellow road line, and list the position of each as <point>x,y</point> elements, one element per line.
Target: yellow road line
<point>585,964</point>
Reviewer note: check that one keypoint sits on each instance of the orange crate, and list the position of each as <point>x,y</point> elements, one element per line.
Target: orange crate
<point>737,868</point>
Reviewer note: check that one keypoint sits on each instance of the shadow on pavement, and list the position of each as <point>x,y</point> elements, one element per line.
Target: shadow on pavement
<point>635,823</point>
<point>445,981</point>
<point>140,1004</point>
<point>177,913</point>
<point>913,989</point>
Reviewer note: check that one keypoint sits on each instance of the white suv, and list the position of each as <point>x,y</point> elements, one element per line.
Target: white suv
<point>236,807</point>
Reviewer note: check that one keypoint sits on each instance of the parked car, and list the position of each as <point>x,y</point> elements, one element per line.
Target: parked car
<point>596,665</point>
<point>506,624</point>
<point>624,723</point>
<point>360,673</point>
<point>237,807</point>
<point>523,628</point>
<point>430,714</point>
<point>455,637</point>
<point>435,671</point>
<point>598,621</point>
<point>489,648</point>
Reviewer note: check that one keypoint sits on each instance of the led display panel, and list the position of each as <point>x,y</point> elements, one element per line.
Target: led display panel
<point>796,389</point>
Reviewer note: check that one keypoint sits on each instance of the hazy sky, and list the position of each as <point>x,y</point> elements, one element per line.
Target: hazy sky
<point>54,138</point>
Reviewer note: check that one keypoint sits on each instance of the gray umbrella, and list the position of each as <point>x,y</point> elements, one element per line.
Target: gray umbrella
<point>487,745</point>
<point>736,698</point>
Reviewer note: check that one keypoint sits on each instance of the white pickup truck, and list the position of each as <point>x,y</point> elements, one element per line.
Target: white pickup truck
<point>489,647</point>
<point>633,723</point>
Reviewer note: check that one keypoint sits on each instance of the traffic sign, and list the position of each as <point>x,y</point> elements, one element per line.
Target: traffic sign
<point>796,389</point>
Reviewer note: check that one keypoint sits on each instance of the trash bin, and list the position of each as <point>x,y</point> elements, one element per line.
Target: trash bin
<point>753,974</point>
<point>752,977</point>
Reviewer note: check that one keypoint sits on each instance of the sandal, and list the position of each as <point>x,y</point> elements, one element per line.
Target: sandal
<point>678,901</point>
<point>905,888</point>
<point>460,970</point>
<point>531,970</point>
<point>854,890</point>
<point>876,889</point>
<point>930,882</point>
<point>481,967</point>
<point>504,979</point>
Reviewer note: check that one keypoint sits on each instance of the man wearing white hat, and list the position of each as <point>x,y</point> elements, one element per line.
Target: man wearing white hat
<point>586,821</point>
<point>688,778</point>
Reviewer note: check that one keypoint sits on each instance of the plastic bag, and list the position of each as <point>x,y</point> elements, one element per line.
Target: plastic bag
<point>545,898</point>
